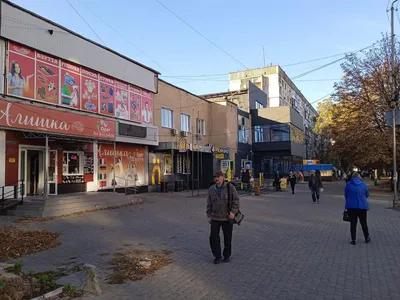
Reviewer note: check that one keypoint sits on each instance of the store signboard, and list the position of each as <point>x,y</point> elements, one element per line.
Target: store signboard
<point>225,165</point>
<point>15,115</point>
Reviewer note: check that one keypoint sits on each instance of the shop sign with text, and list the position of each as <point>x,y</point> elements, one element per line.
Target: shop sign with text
<point>34,118</point>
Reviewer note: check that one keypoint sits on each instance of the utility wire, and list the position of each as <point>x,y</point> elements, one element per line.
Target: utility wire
<point>122,36</point>
<point>88,25</point>
<point>288,65</point>
<point>199,33</point>
<point>331,63</point>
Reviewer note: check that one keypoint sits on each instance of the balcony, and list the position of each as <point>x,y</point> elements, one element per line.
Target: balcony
<point>285,138</point>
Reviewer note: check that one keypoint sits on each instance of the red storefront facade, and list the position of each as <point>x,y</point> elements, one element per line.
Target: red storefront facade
<point>68,128</point>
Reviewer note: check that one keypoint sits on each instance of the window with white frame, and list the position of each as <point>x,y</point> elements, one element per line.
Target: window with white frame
<point>258,134</point>
<point>259,105</point>
<point>167,118</point>
<point>243,135</point>
<point>201,127</point>
<point>73,162</point>
<point>185,123</point>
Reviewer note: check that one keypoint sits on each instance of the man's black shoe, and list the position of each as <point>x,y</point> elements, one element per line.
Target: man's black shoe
<point>226,259</point>
<point>367,240</point>
<point>217,261</point>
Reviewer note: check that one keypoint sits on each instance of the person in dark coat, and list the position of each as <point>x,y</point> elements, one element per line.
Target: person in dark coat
<point>292,180</point>
<point>356,194</point>
<point>277,181</point>
<point>219,214</point>
<point>315,185</point>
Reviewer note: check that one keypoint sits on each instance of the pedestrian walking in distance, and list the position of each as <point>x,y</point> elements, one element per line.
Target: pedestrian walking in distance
<point>315,184</point>
<point>219,215</point>
<point>292,180</point>
<point>356,194</point>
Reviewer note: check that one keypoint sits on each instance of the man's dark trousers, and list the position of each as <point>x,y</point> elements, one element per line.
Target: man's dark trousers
<point>215,241</point>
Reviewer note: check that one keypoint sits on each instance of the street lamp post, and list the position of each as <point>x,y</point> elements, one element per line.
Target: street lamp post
<point>393,105</point>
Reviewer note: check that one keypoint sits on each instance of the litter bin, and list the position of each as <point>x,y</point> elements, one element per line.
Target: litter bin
<point>257,190</point>
<point>376,182</point>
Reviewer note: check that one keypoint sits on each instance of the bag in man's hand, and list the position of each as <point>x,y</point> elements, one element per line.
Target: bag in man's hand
<point>346,217</point>
<point>239,216</point>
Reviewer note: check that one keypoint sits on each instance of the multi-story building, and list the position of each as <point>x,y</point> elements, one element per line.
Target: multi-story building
<point>247,101</point>
<point>271,137</point>
<point>281,91</point>
<point>197,137</point>
<point>74,115</point>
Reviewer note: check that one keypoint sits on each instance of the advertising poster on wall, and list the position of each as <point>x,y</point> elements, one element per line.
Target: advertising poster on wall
<point>106,96</point>
<point>136,104</point>
<point>90,90</point>
<point>147,108</point>
<point>121,100</point>
<point>47,78</point>
<point>21,71</point>
<point>70,85</point>
<point>129,165</point>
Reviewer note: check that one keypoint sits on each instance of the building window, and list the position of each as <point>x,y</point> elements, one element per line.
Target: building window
<point>258,134</point>
<point>259,105</point>
<point>280,133</point>
<point>201,127</point>
<point>166,118</point>
<point>296,135</point>
<point>243,135</point>
<point>185,123</point>
<point>72,163</point>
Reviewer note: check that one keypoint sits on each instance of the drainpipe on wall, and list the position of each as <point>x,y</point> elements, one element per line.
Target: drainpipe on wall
<point>46,170</point>
<point>114,182</point>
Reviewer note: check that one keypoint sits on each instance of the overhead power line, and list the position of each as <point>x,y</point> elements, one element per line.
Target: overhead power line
<point>199,33</point>
<point>88,25</point>
<point>331,63</point>
<point>122,36</point>
<point>283,66</point>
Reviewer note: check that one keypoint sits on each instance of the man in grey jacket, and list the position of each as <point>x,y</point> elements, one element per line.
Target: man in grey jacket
<point>219,215</point>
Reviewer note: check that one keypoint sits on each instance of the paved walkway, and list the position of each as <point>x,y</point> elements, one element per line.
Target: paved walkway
<point>287,248</point>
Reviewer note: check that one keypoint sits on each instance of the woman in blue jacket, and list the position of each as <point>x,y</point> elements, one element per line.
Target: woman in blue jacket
<point>356,194</point>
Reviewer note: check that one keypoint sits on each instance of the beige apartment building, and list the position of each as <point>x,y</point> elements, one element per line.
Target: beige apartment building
<point>196,138</point>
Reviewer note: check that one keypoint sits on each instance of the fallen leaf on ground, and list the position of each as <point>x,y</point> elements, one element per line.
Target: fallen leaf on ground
<point>16,242</point>
<point>133,265</point>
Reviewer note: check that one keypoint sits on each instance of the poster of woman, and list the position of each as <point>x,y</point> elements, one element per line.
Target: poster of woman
<point>128,165</point>
<point>20,75</point>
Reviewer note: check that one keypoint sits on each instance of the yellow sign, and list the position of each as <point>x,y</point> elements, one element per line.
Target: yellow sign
<point>310,161</point>
<point>220,156</point>
<point>283,184</point>
<point>182,146</point>
<point>11,160</point>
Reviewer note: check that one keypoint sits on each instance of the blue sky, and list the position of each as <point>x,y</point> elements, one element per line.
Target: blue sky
<point>290,31</point>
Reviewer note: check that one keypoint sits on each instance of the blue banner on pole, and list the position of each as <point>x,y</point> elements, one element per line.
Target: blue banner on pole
<point>389,117</point>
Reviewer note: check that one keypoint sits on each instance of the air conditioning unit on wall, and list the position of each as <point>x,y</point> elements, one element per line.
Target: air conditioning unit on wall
<point>174,131</point>
<point>184,133</point>
<point>198,136</point>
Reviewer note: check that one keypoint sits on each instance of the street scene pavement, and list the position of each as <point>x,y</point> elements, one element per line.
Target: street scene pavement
<point>286,248</point>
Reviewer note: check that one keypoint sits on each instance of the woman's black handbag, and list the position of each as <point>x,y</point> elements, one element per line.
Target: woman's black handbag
<point>346,217</point>
<point>239,216</point>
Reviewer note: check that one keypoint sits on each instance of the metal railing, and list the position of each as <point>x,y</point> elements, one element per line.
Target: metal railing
<point>130,185</point>
<point>18,188</point>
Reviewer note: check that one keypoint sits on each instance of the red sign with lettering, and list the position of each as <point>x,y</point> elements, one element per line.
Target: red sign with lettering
<point>35,118</point>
